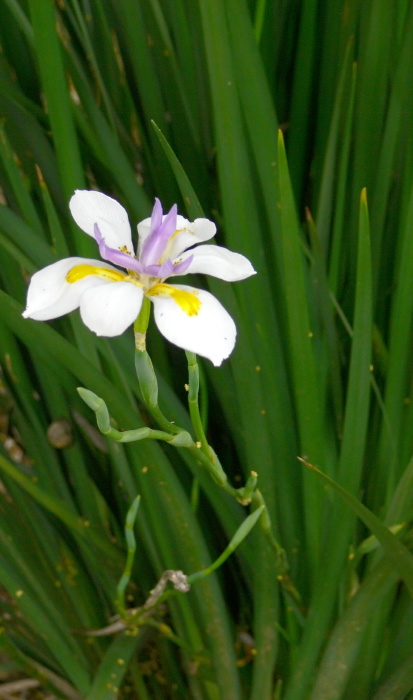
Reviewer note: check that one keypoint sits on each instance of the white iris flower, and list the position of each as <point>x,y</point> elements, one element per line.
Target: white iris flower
<point>110,299</point>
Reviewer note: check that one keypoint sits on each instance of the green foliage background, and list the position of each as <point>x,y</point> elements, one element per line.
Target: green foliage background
<point>183,99</point>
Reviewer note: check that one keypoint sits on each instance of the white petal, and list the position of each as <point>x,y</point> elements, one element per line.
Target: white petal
<point>50,296</point>
<point>144,229</point>
<point>189,233</point>
<point>218,262</point>
<point>89,208</point>
<point>202,229</point>
<point>210,333</point>
<point>110,309</point>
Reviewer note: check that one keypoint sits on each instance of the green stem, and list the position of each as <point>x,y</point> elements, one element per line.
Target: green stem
<point>244,529</point>
<point>131,545</point>
<point>141,324</point>
<point>148,385</point>
<point>145,372</point>
<point>178,437</point>
<point>213,466</point>
<point>193,403</point>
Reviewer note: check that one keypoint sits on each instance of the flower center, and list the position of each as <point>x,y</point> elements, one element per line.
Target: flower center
<point>187,301</point>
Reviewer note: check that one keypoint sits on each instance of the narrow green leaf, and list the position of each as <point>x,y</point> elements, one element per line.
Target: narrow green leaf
<point>190,198</point>
<point>358,392</point>
<point>339,524</point>
<point>340,216</point>
<point>23,236</point>
<point>15,179</point>
<point>400,685</point>
<point>347,636</point>
<point>399,358</point>
<point>301,347</point>
<point>301,99</point>
<point>59,509</point>
<point>55,88</point>
<point>108,679</point>
<point>242,532</point>
<point>400,507</point>
<point>396,550</point>
<point>326,199</point>
<point>34,608</point>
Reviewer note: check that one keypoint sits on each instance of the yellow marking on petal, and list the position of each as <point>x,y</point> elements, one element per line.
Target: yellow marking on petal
<point>79,272</point>
<point>187,301</point>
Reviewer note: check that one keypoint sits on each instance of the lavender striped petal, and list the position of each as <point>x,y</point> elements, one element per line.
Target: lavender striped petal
<point>117,257</point>
<point>155,244</point>
<point>180,268</point>
<point>168,268</point>
<point>156,216</point>
<point>161,271</point>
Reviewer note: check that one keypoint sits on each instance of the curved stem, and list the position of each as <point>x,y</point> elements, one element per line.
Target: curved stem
<point>178,437</point>
<point>193,403</point>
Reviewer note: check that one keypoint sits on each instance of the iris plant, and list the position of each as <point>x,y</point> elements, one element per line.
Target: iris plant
<point>111,299</point>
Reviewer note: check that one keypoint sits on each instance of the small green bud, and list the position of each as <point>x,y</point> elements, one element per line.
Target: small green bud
<point>245,493</point>
<point>92,400</point>
<point>147,378</point>
<point>182,439</point>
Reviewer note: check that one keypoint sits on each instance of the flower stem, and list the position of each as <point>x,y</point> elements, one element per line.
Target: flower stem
<point>212,462</point>
<point>178,437</point>
<point>141,325</point>
<point>131,545</point>
<point>148,382</point>
<point>193,403</point>
<point>149,389</point>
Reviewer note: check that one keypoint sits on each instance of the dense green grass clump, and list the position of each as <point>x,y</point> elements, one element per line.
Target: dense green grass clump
<point>192,101</point>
